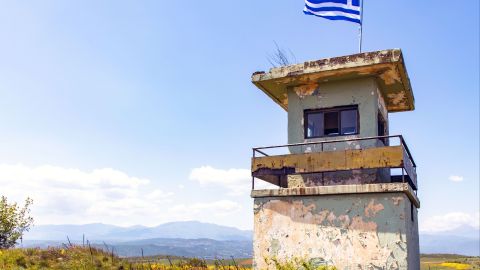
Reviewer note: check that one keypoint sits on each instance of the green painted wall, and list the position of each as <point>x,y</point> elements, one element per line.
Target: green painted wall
<point>362,92</point>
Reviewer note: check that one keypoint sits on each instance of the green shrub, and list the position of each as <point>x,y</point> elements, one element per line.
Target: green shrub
<point>14,221</point>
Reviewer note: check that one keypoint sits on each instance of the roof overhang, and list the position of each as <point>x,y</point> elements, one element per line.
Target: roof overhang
<point>387,67</point>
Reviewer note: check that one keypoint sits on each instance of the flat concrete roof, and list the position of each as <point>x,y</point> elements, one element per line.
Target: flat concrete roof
<point>340,190</point>
<point>387,67</point>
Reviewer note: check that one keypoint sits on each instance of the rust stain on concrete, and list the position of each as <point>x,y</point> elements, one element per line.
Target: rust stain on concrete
<point>305,90</point>
<point>372,209</point>
<point>397,200</point>
<point>386,66</point>
<point>380,157</point>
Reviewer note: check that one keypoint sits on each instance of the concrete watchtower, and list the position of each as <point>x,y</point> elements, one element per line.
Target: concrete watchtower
<point>346,189</point>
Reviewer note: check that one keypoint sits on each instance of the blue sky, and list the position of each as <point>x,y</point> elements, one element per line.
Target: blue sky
<point>142,112</point>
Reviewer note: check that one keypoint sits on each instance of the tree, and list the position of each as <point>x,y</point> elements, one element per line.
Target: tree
<point>14,221</point>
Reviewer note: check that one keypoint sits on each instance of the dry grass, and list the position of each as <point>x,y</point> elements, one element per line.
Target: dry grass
<point>86,257</point>
<point>449,262</point>
<point>79,257</point>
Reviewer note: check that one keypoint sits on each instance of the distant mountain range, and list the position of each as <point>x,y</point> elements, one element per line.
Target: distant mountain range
<point>104,232</point>
<point>193,238</point>
<point>190,239</point>
<point>464,240</point>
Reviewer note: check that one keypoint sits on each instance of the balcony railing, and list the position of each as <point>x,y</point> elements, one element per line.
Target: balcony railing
<point>274,163</point>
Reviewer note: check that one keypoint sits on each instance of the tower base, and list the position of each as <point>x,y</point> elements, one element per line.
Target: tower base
<point>369,226</point>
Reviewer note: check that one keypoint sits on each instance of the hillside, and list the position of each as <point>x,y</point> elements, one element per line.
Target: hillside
<point>203,248</point>
<point>193,238</point>
<point>86,257</point>
<point>189,238</point>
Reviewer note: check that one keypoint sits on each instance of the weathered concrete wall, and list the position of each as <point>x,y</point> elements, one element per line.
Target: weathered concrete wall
<point>412,236</point>
<point>363,92</point>
<point>354,231</point>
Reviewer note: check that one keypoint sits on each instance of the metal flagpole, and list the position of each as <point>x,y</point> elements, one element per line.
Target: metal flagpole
<point>360,30</point>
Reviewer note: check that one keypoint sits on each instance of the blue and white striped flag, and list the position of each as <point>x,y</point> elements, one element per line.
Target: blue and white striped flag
<point>347,10</point>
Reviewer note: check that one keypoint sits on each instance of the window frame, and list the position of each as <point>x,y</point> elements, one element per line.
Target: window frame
<point>337,109</point>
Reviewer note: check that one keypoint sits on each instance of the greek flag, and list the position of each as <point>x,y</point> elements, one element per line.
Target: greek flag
<point>347,10</point>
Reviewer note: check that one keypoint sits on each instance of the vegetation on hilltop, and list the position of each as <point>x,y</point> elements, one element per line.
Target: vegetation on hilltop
<point>87,257</point>
<point>14,221</point>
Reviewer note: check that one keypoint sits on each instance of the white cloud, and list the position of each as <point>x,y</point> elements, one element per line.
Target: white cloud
<point>455,178</point>
<point>64,195</point>
<point>196,210</point>
<point>450,221</point>
<point>73,196</point>
<point>237,181</point>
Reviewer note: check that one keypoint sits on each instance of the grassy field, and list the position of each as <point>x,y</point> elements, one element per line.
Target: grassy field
<point>85,258</point>
<point>449,261</point>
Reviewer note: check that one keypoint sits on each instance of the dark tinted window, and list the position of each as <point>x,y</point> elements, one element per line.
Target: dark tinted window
<point>331,122</point>
<point>349,122</point>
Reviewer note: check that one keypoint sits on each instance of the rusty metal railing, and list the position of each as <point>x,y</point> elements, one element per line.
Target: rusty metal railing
<point>409,168</point>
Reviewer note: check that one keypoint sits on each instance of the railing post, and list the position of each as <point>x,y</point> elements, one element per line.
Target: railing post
<point>253,178</point>
<point>323,173</point>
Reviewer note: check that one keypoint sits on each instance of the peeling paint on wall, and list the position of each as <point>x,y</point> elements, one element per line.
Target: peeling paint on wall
<point>397,98</point>
<point>360,231</point>
<point>305,90</point>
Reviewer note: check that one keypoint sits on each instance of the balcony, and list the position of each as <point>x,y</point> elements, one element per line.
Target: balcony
<point>370,160</point>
